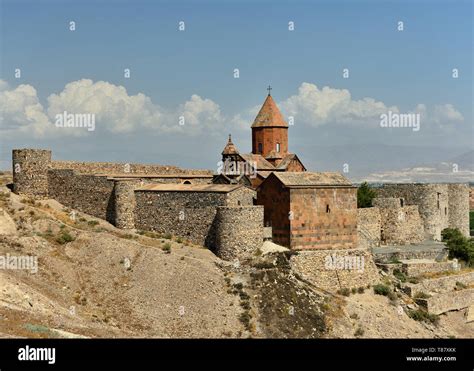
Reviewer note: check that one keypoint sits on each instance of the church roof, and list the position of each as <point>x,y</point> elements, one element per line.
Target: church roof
<point>259,160</point>
<point>230,148</point>
<point>285,162</point>
<point>312,179</point>
<point>269,115</point>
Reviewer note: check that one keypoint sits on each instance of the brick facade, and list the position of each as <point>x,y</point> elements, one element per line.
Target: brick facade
<point>311,216</point>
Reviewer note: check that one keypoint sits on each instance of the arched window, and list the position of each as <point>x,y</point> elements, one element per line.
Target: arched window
<point>187,182</point>
<point>278,147</point>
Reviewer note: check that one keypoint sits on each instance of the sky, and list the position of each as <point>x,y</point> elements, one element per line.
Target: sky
<point>340,67</point>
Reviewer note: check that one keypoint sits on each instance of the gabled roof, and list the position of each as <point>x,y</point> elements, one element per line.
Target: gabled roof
<point>259,160</point>
<point>269,115</point>
<point>285,162</point>
<point>310,179</point>
<point>230,148</point>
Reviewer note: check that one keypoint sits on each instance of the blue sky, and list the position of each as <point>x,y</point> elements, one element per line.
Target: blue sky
<point>402,69</point>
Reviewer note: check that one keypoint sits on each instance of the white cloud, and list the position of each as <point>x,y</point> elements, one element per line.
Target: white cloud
<point>20,110</point>
<point>315,107</point>
<point>115,111</point>
<point>446,113</point>
<point>118,112</point>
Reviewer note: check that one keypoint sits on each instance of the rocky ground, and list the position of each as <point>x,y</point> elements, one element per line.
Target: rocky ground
<point>94,280</point>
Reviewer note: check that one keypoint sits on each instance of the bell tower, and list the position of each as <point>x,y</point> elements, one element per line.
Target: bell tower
<point>270,132</point>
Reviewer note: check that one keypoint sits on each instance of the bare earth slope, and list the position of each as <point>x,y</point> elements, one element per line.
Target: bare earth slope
<point>94,280</point>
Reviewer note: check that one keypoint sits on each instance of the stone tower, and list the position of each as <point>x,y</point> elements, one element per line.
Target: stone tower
<point>270,132</point>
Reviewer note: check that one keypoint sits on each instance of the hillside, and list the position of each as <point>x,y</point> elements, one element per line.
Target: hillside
<point>94,280</point>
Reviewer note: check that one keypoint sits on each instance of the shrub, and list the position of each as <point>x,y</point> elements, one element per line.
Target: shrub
<point>166,247</point>
<point>167,236</point>
<point>365,195</point>
<point>381,289</point>
<point>64,237</point>
<point>421,295</point>
<point>361,290</point>
<point>459,247</point>
<point>354,290</point>
<point>423,316</point>
<point>400,275</point>
<point>92,223</point>
<point>344,291</point>
<point>359,332</point>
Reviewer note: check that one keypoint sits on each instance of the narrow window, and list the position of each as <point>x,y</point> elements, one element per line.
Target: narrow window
<point>401,202</point>
<point>328,210</point>
<point>445,211</point>
<point>438,200</point>
<point>260,149</point>
<point>278,147</point>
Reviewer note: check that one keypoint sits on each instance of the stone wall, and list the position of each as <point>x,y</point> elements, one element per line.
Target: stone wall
<point>401,225</point>
<point>435,203</point>
<point>439,285</point>
<point>332,270</point>
<point>30,171</point>
<point>368,227</point>
<point>458,207</point>
<point>187,214</point>
<point>239,231</point>
<point>123,168</point>
<point>125,203</point>
<point>448,301</point>
<point>90,194</point>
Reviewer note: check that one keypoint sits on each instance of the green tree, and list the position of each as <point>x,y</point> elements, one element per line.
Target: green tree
<point>459,247</point>
<point>365,195</point>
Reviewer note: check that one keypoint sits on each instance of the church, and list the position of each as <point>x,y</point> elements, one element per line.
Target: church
<point>269,150</point>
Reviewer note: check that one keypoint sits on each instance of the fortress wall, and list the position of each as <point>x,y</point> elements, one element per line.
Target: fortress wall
<point>189,215</point>
<point>123,168</point>
<point>242,196</point>
<point>368,226</point>
<point>238,231</point>
<point>124,203</point>
<point>401,225</point>
<point>388,202</point>
<point>30,171</point>
<point>432,201</point>
<point>89,194</point>
<point>458,204</point>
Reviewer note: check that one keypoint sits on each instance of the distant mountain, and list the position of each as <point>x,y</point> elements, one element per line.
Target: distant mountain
<point>458,169</point>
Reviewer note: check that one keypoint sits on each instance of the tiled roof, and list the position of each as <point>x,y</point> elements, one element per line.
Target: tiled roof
<point>269,115</point>
<point>262,164</point>
<point>230,148</point>
<point>217,188</point>
<point>286,161</point>
<point>309,179</point>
